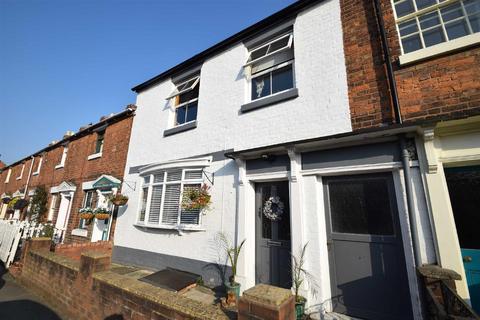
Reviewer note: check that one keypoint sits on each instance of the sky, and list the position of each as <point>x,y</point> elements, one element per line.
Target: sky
<point>66,63</point>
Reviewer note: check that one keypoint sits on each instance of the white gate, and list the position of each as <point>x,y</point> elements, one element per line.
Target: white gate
<point>11,231</point>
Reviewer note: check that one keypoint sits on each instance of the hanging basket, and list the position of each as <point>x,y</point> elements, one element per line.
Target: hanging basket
<point>6,200</point>
<point>86,215</point>
<point>20,204</point>
<point>119,199</point>
<point>102,216</point>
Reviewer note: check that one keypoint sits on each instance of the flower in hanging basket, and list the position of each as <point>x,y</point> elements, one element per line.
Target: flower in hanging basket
<point>86,213</point>
<point>118,199</point>
<point>101,213</point>
<point>196,198</point>
<point>20,204</point>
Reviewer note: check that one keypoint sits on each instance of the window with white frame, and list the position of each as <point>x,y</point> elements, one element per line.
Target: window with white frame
<point>39,166</point>
<point>21,172</point>
<point>185,97</point>
<point>53,207</point>
<point>270,67</point>
<point>9,173</point>
<point>63,158</point>
<point>162,194</point>
<point>425,23</point>
<point>87,202</point>
<point>99,141</point>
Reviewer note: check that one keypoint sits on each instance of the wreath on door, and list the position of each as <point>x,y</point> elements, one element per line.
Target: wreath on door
<point>273,208</point>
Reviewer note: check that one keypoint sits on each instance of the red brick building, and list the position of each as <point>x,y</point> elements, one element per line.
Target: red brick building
<point>80,170</point>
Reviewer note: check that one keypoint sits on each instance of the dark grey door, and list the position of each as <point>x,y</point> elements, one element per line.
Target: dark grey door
<point>367,263</point>
<point>273,245</point>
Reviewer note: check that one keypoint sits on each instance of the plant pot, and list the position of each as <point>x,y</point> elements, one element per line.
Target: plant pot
<point>86,216</point>
<point>119,202</point>
<point>102,216</point>
<point>6,200</point>
<point>300,309</point>
<point>235,288</point>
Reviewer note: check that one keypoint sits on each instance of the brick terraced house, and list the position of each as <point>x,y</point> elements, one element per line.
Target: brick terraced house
<point>80,170</point>
<point>352,126</point>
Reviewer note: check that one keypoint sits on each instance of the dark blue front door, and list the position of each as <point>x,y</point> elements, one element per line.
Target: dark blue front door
<point>464,190</point>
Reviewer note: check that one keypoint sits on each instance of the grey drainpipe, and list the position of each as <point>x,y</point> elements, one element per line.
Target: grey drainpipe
<point>403,147</point>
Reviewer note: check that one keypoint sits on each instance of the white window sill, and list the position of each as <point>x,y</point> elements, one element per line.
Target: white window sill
<point>36,173</point>
<point>440,48</point>
<point>19,178</point>
<point>59,166</point>
<point>94,156</point>
<point>80,233</point>
<point>178,228</point>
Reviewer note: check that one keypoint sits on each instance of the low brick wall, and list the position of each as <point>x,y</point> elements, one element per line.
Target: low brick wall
<point>87,290</point>
<point>75,250</point>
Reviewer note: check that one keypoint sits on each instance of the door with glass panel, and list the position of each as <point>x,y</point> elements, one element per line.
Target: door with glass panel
<point>273,244</point>
<point>367,264</point>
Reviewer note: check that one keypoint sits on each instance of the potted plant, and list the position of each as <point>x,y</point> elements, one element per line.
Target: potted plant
<point>101,213</point>
<point>86,213</point>
<point>118,199</point>
<point>299,275</point>
<point>197,198</point>
<point>233,252</point>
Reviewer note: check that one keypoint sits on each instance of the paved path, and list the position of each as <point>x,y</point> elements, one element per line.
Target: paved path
<point>16,303</point>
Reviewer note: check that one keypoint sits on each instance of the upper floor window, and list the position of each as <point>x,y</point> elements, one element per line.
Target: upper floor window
<point>39,166</point>
<point>162,194</point>
<point>9,173</point>
<point>99,142</point>
<point>186,100</point>
<point>425,23</point>
<point>21,172</point>
<point>63,158</point>
<point>271,67</point>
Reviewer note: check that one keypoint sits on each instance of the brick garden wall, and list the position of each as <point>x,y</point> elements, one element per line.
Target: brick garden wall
<point>87,290</point>
<point>443,87</point>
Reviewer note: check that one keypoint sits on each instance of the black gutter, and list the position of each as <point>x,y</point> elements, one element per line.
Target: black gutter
<point>270,21</point>
<point>388,62</point>
<point>130,109</point>
<point>407,176</point>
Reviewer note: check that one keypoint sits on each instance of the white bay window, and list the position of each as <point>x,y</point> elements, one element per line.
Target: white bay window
<point>161,198</point>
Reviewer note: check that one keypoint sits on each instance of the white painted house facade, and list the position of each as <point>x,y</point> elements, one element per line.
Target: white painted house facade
<point>248,120</point>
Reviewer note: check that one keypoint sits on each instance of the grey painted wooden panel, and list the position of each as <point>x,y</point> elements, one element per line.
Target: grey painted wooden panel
<point>274,164</point>
<point>349,156</point>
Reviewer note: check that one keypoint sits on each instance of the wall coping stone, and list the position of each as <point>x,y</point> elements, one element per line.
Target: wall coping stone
<point>63,261</point>
<point>160,296</point>
<point>266,294</point>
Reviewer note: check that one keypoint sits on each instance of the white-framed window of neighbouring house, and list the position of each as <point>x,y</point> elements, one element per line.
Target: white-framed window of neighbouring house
<point>63,158</point>
<point>162,195</point>
<point>53,206</point>
<point>423,24</point>
<point>9,173</point>
<point>185,100</point>
<point>270,67</point>
<point>39,166</point>
<point>21,172</point>
<point>88,199</point>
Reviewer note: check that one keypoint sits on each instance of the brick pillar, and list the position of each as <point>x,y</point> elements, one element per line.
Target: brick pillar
<point>264,302</point>
<point>91,262</point>
<point>36,244</point>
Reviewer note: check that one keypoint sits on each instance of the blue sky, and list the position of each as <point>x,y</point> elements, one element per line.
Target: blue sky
<point>65,63</point>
